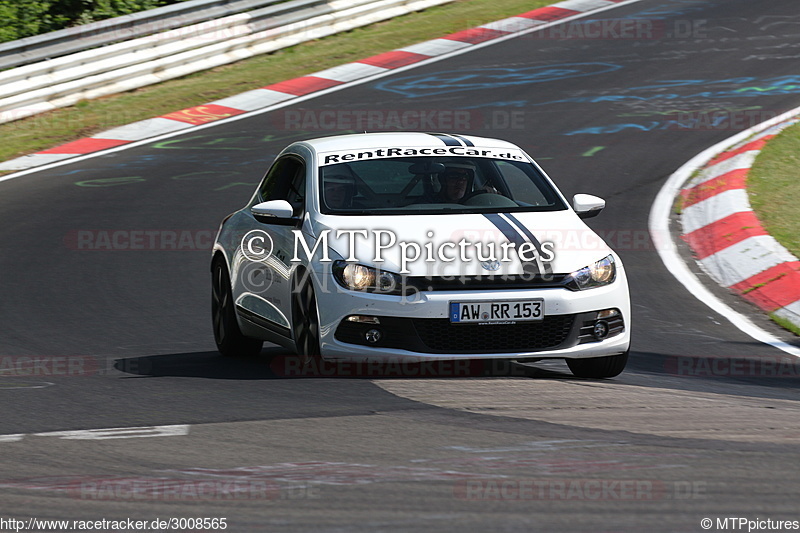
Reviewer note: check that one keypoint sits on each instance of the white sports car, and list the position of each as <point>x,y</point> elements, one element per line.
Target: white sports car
<point>414,247</point>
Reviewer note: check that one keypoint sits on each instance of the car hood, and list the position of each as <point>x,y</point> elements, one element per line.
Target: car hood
<point>565,243</point>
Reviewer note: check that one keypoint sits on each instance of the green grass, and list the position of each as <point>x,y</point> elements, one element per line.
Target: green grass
<point>782,322</point>
<point>773,185</point>
<point>774,188</point>
<point>90,117</point>
<point>677,205</point>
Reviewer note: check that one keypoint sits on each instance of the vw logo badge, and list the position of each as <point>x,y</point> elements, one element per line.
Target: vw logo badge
<point>492,266</point>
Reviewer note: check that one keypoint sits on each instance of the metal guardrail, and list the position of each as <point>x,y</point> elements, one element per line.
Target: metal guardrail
<point>129,64</point>
<point>76,39</point>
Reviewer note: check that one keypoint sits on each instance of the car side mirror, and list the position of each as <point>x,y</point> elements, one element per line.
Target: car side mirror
<point>273,209</point>
<point>587,205</point>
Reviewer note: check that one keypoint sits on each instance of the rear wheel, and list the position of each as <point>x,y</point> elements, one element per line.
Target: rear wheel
<point>229,338</point>
<point>599,367</point>
<point>305,322</point>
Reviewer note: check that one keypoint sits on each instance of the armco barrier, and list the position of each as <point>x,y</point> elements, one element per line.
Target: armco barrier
<point>64,81</point>
<point>76,39</point>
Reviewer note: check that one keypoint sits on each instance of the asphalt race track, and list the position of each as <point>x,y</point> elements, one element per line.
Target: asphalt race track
<point>704,423</point>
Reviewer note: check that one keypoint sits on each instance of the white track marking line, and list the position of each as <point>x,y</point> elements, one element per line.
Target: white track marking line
<point>659,230</point>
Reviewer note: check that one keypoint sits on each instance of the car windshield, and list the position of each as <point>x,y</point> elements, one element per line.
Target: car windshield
<point>435,185</point>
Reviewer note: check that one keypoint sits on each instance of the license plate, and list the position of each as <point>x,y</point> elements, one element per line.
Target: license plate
<point>499,312</point>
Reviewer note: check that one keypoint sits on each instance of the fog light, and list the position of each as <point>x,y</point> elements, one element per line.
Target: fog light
<point>600,331</point>
<point>363,319</point>
<point>375,335</point>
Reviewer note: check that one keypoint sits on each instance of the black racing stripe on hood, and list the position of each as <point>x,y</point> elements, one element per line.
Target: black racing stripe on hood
<point>505,228</point>
<point>446,139</point>
<point>514,236</point>
<point>464,140</point>
<point>530,236</point>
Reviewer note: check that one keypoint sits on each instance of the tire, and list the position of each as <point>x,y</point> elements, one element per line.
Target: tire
<point>599,367</point>
<point>305,322</point>
<point>229,338</point>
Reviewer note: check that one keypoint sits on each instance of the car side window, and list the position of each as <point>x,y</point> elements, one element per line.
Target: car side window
<point>286,180</point>
<point>297,191</point>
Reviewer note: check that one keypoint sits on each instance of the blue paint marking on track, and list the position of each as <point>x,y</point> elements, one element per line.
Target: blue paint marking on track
<point>510,103</point>
<point>699,122</point>
<point>491,78</point>
<point>616,128</point>
<point>758,87</point>
<point>781,85</point>
<point>671,8</point>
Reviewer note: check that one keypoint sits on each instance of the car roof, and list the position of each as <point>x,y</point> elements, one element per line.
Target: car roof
<point>359,141</point>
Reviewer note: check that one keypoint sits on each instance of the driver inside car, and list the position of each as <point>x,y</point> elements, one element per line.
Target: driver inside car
<point>338,187</point>
<point>456,183</point>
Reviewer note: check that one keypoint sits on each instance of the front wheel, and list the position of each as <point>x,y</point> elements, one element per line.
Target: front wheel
<point>599,367</point>
<point>229,338</point>
<point>305,322</point>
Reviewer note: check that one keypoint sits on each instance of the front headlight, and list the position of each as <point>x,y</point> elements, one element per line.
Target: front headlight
<point>599,274</point>
<point>357,277</point>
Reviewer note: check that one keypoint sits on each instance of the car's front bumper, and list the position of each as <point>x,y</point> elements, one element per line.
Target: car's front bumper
<point>418,328</point>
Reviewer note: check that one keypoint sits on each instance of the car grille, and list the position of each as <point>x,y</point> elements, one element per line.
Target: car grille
<point>487,282</point>
<point>442,336</point>
<point>438,335</point>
